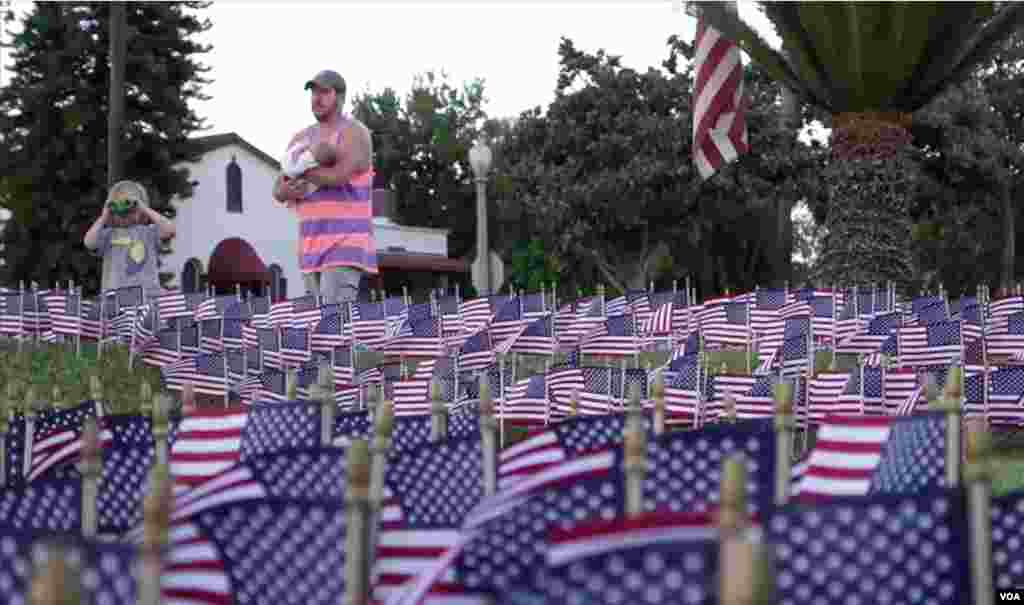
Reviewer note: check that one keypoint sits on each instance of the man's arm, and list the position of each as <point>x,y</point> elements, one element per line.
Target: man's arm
<point>351,161</point>
<point>288,191</point>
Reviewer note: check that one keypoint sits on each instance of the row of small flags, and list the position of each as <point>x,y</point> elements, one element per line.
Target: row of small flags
<point>237,464</point>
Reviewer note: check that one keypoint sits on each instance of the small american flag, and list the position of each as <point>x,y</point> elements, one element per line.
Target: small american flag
<point>295,348</point>
<point>476,314</point>
<point>534,338</point>
<point>1006,390</point>
<point>272,386</point>
<point>173,304</point>
<point>824,392</point>
<point>526,402</point>
<point>616,336</point>
<point>794,355</point>
<point>210,334</point>
<point>477,352</point>
<point>422,338</point>
<point>412,396</point>
<point>932,344</point>
<point>876,333</point>
<point>508,320</point>
<point>727,324</point>
<point>593,385</point>
<point>207,372</point>
<point>1008,337</point>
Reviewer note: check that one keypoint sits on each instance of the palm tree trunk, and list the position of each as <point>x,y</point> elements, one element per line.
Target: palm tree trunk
<point>868,226</point>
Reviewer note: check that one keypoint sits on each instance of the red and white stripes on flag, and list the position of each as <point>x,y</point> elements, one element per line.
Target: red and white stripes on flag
<point>844,457</point>
<point>719,125</point>
<point>208,442</point>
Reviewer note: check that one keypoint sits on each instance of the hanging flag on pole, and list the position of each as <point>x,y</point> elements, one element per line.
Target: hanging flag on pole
<point>719,105</point>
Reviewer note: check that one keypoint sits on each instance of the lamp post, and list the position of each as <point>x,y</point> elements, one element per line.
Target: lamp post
<point>480,162</point>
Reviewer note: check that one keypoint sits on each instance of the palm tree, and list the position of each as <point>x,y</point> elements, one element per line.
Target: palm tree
<point>871,65</point>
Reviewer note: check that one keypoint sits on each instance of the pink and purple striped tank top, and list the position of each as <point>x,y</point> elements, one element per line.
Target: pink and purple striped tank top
<point>336,223</point>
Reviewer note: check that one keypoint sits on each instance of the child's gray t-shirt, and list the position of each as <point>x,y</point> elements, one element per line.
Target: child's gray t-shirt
<point>132,255</point>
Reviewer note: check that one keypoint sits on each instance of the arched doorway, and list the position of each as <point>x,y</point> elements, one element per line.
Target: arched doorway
<point>190,276</point>
<point>234,263</point>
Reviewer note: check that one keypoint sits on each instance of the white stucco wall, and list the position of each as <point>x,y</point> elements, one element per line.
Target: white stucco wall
<point>203,220</point>
<point>420,240</point>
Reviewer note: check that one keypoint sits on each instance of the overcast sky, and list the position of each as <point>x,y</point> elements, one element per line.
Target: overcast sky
<point>263,52</point>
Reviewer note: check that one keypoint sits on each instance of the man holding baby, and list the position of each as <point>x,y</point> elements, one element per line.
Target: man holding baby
<point>327,178</point>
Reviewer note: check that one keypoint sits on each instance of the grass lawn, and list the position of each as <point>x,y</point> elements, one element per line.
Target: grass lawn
<point>53,365</point>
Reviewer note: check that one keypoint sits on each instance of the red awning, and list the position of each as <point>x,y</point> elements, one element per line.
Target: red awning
<point>405,261</point>
<point>235,261</point>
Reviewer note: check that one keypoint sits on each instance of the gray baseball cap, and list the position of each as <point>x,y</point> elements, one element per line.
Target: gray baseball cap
<point>328,79</point>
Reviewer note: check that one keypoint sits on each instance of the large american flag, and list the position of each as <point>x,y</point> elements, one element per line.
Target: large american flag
<point>667,558</point>
<point>258,551</point>
<point>719,125</point>
<point>844,458</point>
<point>57,438</point>
<point>274,428</point>
<point>914,458</point>
<point>430,490</point>
<point>916,539</point>
<point>107,565</point>
<point>208,442</point>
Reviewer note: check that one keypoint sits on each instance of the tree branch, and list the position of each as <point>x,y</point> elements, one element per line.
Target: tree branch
<point>606,270</point>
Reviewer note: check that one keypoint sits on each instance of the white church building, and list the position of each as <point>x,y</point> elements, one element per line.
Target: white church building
<point>232,232</point>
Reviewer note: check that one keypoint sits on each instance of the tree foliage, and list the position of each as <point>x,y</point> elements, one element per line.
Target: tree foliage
<point>53,120</point>
<point>421,146</point>
<point>606,175</point>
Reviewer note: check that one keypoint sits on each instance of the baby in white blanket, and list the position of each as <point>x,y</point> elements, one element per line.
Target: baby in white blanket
<point>301,157</point>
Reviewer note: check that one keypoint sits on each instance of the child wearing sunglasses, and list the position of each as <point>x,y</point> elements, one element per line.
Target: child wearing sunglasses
<point>127,244</point>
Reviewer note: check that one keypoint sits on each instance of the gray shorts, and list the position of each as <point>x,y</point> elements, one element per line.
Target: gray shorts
<point>336,285</point>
